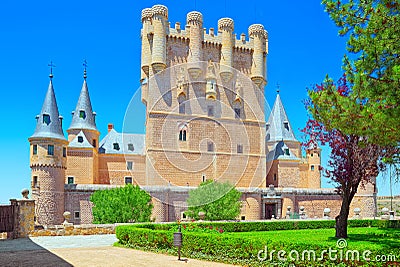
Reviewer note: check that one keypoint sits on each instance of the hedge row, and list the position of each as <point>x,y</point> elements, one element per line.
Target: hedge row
<point>228,248</point>
<point>277,225</point>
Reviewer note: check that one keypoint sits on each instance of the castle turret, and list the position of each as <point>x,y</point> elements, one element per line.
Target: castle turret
<point>313,153</point>
<point>48,162</point>
<point>147,15</point>
<point>225,26</point>
<point>259,38</point>
<point>160,27</point>
<point>83,138</point>
<point>196,34</point>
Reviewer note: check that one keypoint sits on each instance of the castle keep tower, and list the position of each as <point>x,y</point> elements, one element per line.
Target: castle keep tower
<point>205,117</point>
<point>48,151</point>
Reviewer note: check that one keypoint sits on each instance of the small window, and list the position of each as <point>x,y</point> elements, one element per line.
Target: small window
<point>50,150</point>
<point>116,146</point>
<point>70,180</point>
<point>80,139</point>
<point>77,215</point>
<point>182,135</point>
<point>312,155</point>
<point>286,125</point>
<point>239,149</point>
<point>274,176</point>
<point>210,146</point>
<point>181,102</point>
<point>82,114</point>
<point>287,152</point>
<point>129,165</point>
<point>312,167</point>
<point>34,149</point>
<point>94,143</point>
<point>210,111</point>
<point>204,178</point>
<point>35,182</point>
<point>182,108</point>
<point>46,119</point>
<point>128,180</point>
<point>131,147</point>
<point>64,152</point>
<point>237,113</point>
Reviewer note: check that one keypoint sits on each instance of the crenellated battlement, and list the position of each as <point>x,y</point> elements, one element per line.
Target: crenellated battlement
<point>160,10</point>
<point>194,17</point>
<point>164,46</point>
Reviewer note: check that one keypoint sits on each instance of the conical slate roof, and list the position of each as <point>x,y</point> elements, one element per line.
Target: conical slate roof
<point>48,123</point>
<point>83,117</point>
<point>278,126</point>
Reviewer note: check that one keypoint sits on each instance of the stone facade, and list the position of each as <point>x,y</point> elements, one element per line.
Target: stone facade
<point>205,119</point>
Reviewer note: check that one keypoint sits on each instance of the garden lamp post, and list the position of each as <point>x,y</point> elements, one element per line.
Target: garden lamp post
<point>178,240</point>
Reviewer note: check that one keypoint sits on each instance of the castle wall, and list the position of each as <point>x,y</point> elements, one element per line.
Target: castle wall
<point>82,165</point>
<point>112,169</point>
<point>288,174</point>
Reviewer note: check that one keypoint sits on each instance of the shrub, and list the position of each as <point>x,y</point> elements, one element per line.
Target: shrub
<point>219,201</point>
<point>121,205</point>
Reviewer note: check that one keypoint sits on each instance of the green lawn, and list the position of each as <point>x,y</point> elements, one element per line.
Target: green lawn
<point>372,238</point>
<point>215,242</point>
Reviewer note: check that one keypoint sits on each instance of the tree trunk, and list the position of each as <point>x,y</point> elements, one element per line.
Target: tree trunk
<point>341,219</point>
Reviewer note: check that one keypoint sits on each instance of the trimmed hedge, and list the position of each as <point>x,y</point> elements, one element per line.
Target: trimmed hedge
<point>274,225</point>
<point>234,248</point>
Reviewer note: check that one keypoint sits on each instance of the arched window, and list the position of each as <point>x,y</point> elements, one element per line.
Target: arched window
<point>182,135</point>
<point>183,132</point>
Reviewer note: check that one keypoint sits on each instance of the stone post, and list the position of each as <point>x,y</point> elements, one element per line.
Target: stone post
<point>24,216</point>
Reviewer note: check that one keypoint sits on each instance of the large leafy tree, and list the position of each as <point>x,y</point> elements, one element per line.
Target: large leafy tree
<point>219,201</point>
<point>121,205</point>
<point>372,28</point>
<point>354,161</point>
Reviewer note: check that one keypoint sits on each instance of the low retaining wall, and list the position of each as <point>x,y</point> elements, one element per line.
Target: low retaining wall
<point>83,229</point>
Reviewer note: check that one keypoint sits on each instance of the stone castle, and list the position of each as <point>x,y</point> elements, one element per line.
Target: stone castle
<point>205,119</point>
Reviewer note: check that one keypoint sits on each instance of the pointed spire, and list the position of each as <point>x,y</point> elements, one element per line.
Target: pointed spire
<point>49,122</point>
<point>278,126</point>
<point>83,117</point>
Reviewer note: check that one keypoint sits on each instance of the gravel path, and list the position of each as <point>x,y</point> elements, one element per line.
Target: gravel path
<point>93,250</point>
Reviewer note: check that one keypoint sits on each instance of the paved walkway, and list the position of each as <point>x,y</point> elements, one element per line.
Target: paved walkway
<point>94,250</point>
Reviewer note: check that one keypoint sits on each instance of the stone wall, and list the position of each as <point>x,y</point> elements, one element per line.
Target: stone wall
<point>85,229</point>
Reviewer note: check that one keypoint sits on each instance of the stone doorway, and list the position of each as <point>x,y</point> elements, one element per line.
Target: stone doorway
<point>270,211</point>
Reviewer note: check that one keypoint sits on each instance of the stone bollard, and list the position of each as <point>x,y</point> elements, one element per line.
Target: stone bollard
<point>67,225</point>
<point>288,212</point>
<point>391,215</point>
<point>202,215</point>
<point>302,213</point>
<point>25,193</point>
<point>385,214</point>
<point>327,213</point>
<point>357,212</point>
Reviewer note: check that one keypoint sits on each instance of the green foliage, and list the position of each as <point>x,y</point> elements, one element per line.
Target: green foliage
<point>260,226</point>
<point>242,247</point>
<point>372,29</point>
<point>121,205</point>
<point>219,201</point>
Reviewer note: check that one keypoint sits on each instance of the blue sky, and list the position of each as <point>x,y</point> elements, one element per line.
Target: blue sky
<point>303,47</point>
